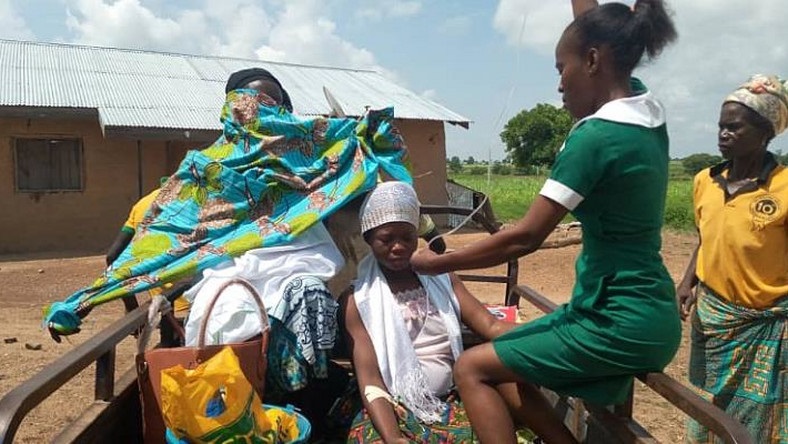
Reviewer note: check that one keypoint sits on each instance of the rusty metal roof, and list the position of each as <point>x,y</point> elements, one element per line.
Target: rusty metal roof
<point>143,89</point>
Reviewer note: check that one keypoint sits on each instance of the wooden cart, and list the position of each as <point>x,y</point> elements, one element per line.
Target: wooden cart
<point>115,414</point>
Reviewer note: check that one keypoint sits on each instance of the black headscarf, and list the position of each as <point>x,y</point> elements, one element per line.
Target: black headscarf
<point>239,79</point>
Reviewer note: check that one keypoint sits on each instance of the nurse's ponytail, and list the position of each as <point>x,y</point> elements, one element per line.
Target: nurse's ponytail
<point>645,28</point>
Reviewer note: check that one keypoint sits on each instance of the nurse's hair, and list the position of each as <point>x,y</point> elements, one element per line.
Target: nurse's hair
<point>629,32</point>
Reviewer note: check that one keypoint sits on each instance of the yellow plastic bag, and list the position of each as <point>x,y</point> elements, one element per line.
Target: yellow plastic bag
<point>214,403</point>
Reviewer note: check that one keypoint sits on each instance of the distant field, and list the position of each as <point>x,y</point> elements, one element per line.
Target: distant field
<point>512,195</point>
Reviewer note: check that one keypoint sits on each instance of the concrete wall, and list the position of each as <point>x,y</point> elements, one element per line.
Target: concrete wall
<point>114,172</point>
<point>117,171</point>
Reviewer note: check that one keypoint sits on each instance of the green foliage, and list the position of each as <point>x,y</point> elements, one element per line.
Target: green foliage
<point>478,170</point>
<point>501,168</point>
<point>676,171</point>
<point>470,160</point>
<point>455,166</point>
<point>534,136</point>
<point>694,163</point>
<point>512,195</point>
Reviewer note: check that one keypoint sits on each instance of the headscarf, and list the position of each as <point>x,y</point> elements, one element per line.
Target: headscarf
<point>767,95</point>
<point>389,202</point>
<point>268,178</point>
<point>241,78</point>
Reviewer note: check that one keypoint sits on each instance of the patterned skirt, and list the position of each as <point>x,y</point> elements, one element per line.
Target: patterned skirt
<point>737,359</point>
<point>454,427</point>
<point>303,332</point>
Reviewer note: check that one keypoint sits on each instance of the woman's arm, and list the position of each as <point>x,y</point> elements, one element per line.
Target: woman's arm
<point>475,315</point>
<point>365,365</point>
<point>581,6</point>
<point>118,245</point>
<point>684,292</point>
<point>503,246</point>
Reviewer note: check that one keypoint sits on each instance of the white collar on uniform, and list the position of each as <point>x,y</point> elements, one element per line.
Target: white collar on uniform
<point>641,110</point>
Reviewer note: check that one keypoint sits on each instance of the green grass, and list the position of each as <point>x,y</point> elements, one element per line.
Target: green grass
<point>509,195</point>
<point>512,195</point>
<point>678,205</point>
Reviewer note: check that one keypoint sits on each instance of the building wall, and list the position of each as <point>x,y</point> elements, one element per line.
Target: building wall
<point>426,141</point>
<point>114,174</point>
<point>118,171</point>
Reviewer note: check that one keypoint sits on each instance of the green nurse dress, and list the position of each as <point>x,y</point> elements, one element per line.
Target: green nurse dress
<point>622,318</point>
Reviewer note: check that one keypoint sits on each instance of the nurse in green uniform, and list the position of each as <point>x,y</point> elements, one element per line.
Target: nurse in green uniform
<point>612,174</point>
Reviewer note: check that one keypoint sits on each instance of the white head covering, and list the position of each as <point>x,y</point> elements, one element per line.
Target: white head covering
<point>389,202</point>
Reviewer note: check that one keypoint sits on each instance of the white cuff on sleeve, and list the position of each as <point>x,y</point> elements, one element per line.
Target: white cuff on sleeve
<point>558,192</point>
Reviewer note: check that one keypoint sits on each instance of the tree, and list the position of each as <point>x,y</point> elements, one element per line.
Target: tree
<point>694,163</point>
<point>455,166</point>
<point>534,136</point>
<point>470,160</point>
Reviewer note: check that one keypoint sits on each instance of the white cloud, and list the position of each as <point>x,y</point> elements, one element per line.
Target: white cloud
<point>130,24</point>
<point>381,9</point>
<point>124,23</point>
<point>12,26</point>
<point>296,31</point>
<point>721,43</point>
<point>302,34</point>
<point>536,24</point>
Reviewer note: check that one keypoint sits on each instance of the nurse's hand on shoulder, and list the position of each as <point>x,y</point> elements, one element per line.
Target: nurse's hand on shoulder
<point>686,299</point>
<point>423,261</point>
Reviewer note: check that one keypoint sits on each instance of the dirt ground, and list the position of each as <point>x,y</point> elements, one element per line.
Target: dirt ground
<point>27,283</point>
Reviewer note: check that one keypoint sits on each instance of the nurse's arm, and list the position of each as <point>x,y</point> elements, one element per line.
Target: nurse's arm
<point>509,244</point>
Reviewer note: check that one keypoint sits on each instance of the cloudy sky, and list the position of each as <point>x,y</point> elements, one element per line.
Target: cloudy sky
<point>484,59</point>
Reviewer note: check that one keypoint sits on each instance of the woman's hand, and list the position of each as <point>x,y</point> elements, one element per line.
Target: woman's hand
<point>686,297</point>
<point>424,261</point>
<point>581,6</point>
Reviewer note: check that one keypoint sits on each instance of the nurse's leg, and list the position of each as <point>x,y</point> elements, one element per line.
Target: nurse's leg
<point>489,390</point>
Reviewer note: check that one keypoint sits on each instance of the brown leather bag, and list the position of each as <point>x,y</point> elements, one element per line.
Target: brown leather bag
<point>252,355</point>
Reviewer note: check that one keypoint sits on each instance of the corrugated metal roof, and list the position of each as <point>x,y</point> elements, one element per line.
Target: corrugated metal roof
<point>132,88</point>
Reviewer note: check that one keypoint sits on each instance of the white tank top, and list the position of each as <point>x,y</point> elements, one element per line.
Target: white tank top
<point>430,339</point>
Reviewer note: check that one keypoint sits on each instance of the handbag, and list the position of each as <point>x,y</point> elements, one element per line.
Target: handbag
<point>252,356</point>
<point>215,403</point>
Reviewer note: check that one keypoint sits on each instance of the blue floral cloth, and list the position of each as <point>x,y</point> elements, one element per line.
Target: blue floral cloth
<point>269,177</point>
<point>303,332</point>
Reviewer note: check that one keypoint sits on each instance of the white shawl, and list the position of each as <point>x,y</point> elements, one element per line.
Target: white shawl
<point>236,317</point>
<point>399,366</point>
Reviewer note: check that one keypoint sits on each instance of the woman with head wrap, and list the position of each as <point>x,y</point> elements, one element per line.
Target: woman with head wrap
<point>404,330</point>
<point>739,270</point>
<point>612,174</point>
<point>260,80</point>
<point>291,277</point>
